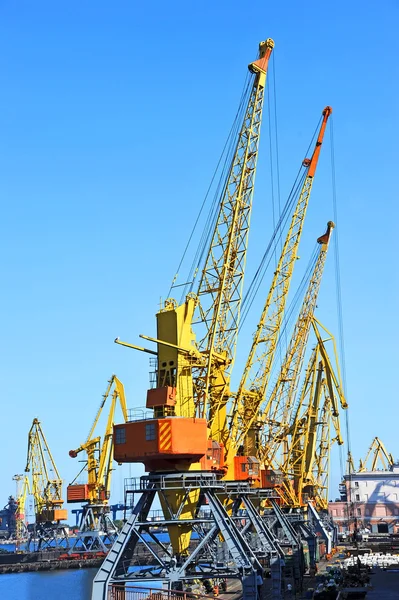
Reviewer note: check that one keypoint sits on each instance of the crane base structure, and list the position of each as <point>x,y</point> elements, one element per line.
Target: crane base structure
<point>230,540</point>
<point>97,531</point>
<point>47,536</point>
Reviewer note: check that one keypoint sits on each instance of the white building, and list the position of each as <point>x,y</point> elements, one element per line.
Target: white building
<point>372,497</point>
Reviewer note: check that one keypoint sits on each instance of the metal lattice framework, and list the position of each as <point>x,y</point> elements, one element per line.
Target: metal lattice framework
<point>252,388</point>
<point>230,544</point>
<point>96,528</point>
<point>220,287</point>
<point>46,481</point>
<point>377,452</point>
<point>46,488</point>
<point>21,496</point>
<point>308,439</point>
<point>277,411</point>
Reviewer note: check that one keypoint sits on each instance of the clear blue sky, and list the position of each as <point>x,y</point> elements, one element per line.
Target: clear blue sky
<point>112,118</point>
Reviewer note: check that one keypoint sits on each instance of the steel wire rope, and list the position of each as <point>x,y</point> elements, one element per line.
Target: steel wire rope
<point>291,311</point>
<point>277,233</point>
<point>267,256</point>
<point>276,134</point>
<point>338,278</point>
<point>277,161</point>
<point>210,223</point>
<point>271,169</point>
<point>274,175</point>
<point>227,143</point>
<point>341,338</point>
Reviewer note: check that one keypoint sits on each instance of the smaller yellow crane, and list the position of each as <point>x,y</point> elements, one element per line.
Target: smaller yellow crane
<point>46,488</point>
<point>377,452</point>
<point>21,532</point>
<point>96,527</point>
<point>308,440</point>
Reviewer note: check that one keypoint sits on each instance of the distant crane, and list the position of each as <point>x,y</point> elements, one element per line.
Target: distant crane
<point>377,454</point>
<point>46,488</point>
<point>96,528</point>
<point>21,531</point>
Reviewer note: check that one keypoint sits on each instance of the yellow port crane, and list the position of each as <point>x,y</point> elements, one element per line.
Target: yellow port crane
<point>96,529</point>
<point>185,442</point>
<point>189,429</point>
<point>46,488</point>
<point>378,455</point>
<point>244,429</point>
<point>21,497</point>
<point>222,277</point>
<point>308,440</point>
<point>277,409</point>
<point>192,379</point>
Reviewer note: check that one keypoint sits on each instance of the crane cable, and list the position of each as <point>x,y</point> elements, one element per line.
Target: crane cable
<point>338,280</point>
<point>257,279</point>
<point>226,151</point>
<point>350,505</point>
<point>278,177</point>
<point>291,315</point>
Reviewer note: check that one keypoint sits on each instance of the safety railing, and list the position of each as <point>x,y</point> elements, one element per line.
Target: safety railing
<point>120,592</point>
<point>139,414</point>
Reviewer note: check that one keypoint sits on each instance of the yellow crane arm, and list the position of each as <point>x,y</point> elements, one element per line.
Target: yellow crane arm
<point>99,455</point>
<point>350,465</point>
<point>220,286</point>
<point>379,453</point>
<point>276,413</point>
<point>21,502</point>
<point>308,440</point>
<point>256,374</point>
<point>334,378</point>
<point>46,481</point>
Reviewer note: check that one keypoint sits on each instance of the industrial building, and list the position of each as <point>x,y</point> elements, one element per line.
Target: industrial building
<point>369,498</point>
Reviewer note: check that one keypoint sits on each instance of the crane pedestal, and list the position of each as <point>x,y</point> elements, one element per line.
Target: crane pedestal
<point>229,538</point>
<point>97,532</point>
<point>47,536</point>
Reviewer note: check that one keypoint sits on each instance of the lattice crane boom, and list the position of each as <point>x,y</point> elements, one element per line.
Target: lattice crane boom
<point>221,282</point>
<point>277,411</point>
<point>46,481</point>
<point>256,374</point>
<point>99,455</point>
<point>192,366</point>
<point>307,441</point>
<point>377,452</point>
<point>21,496</point>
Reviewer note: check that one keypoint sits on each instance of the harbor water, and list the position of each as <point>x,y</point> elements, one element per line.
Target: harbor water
<point>48,585</point>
